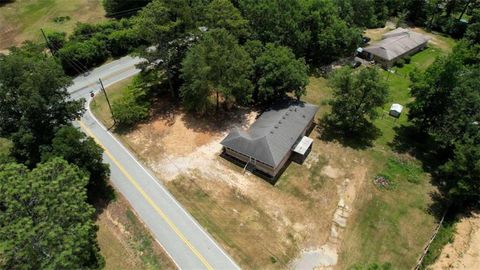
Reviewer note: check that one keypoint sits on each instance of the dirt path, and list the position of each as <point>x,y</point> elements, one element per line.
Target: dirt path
<point>464,251</point>
<point>326,256</point>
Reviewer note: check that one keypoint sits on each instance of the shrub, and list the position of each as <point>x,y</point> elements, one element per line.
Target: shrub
<point>132,107</point>
<point>407,59</point>
<point>56,39</point>
<point>77,56</point>
<point>92,44</point>
<point>61,19</point>
<point>445,235</point>
<point>400,63</point>
<point>123,41</point>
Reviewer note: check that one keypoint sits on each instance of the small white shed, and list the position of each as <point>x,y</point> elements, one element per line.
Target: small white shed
<point>395,110</point>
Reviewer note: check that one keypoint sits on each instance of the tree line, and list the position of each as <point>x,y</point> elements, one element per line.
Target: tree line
<point>307,33</point>
<point>447,109</point>
<point>51,174</point>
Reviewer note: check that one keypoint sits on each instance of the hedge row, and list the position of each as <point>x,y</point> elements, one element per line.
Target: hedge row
<point>90,45</point>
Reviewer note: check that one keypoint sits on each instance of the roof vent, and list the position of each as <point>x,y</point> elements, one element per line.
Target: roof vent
<point>271,131</point>
<point>303,116</point>
<point>276,126</point>
<point>280,121</point>
<point>283,117</point>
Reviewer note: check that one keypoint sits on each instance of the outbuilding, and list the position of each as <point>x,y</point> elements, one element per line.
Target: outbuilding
<point>278,133</point>
<point>395,110</point>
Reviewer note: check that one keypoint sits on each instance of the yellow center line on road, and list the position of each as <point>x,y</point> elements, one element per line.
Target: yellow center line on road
<point>148,199</point>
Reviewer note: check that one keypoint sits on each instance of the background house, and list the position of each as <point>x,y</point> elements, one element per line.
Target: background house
<point>395,45</point>
<point>270,141</point>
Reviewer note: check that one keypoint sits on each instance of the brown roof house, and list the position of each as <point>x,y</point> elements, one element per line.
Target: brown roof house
<point>394,45</point>
<point>278,133</point>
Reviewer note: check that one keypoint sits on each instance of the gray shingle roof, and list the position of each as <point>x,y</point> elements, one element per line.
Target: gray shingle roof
<point>396,43</point>
<point>273,134</point>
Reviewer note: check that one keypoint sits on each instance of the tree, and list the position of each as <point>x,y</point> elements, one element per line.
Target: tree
<point>278,21</point>
<point>447,99</point>
<point>473,30</point>
<point>56,40</point>
<point>331,37</point>
<point>216,65</point>
<point>75,147</point>
<point>357,96</point>
<point>280,72</point>
<point>122,8</point>
<point>462,173</point>
<point>171,27</point>
<point>34,101</point>
<point>76,56</point>
<point>133,106</point>
<point>223,14</point>
<point>45,222</point>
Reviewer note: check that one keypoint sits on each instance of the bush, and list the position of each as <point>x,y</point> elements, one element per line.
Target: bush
<point>445,235</point>
<point>407,59</point>
<point>123,41</point>
<point>92,44</point>
<point>132,107</point>
<point>75,57</point>
<point>56,39</point>
<point>400,63</point>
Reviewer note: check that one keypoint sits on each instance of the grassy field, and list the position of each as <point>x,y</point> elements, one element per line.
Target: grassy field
<point>22,19</point>
<point>392,225</point>
<point>124,241</point>
<point>99,104</point>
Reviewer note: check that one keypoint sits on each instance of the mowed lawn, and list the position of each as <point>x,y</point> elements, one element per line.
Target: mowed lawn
<point>22,19</point>
<point>393,225</point>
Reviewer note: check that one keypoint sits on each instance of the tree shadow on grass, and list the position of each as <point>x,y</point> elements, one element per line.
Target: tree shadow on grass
<point>6,2</point>
<point>361,138</point>
<point>215,122</point>
<point>409,140</point>
<point>102,197</point>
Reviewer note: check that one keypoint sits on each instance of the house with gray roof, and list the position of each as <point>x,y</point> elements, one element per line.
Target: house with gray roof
<point>394,45</point>
<point>268,144</point>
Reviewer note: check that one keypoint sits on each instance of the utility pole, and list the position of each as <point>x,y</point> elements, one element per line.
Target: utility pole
<point>108,101</point>
<point>47,42</point>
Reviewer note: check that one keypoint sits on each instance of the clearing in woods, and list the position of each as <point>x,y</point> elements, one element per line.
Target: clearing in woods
<point>327,212</point>
<point>21,20</point>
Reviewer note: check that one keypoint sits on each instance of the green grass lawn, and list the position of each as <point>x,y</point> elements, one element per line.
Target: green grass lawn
<point>22,19</point>
<point>399,92</point>
<point>99,105</point>
<point>392,225</point>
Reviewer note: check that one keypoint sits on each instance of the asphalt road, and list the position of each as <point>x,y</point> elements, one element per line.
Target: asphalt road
<point>185,241</point>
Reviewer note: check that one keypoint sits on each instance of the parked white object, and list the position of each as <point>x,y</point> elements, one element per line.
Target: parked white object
<point>396,110</point>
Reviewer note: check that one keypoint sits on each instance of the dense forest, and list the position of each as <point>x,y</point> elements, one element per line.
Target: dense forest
<point>210,55</point>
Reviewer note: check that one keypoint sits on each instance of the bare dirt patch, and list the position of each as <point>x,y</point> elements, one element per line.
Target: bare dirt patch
<point>263,225</point>
<point>464,251</point>
<point>436,39</point>
<point>375,34</point>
